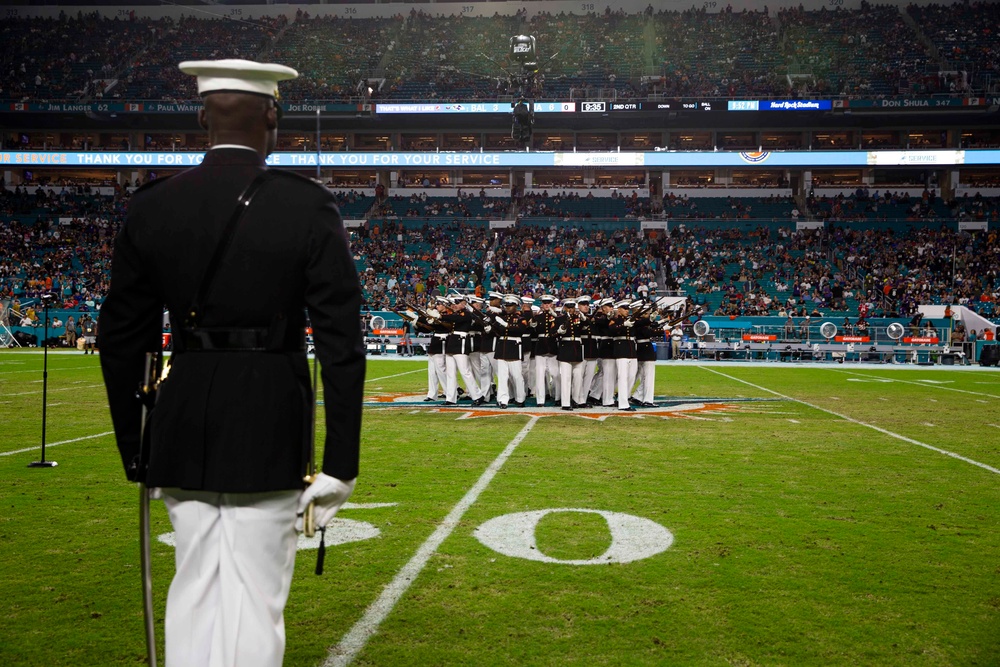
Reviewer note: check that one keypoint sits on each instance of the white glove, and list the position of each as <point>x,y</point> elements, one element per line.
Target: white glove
<point>495,310</point>
<point>500,321</point>
<point>532,324</point>
<point>561,330</point>
<point>487,328</point>
<point>329,493</point>
<point>628,324</point>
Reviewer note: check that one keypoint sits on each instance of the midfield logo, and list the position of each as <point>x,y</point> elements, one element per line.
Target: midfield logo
<point>667,407</point>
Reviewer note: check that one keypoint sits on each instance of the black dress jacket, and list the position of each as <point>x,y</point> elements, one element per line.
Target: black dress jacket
<point>235,421</point>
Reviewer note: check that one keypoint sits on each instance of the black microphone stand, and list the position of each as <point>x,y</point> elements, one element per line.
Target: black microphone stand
<point>45,385</point>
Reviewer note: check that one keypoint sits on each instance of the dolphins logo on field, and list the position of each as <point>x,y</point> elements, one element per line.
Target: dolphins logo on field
<point>668,407</point>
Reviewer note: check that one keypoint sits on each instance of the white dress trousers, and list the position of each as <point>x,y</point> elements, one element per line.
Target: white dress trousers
<point>546,377</point>
<point>647,377</point>
<point>588,382</point>
<point>609,371</point>
<point>570,381</point>
<point>509,372</point>
<point>626,370</point>
<point>456,364</point>
<point>235,557</point>
<point>436,375</point>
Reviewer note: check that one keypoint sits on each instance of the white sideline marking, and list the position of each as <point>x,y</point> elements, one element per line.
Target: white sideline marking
<point>29,393</point>
<point>52,368</point>
<point>994,425</point>
<point>922,383</point>
<point>352,643</point>
<point>929,424</point>
<point>795,421</point>
<point>861,423</point>
<point>386,377</point>
<point>53,444</point>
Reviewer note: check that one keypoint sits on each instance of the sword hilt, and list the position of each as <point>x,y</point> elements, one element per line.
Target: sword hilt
<point>309,516</point>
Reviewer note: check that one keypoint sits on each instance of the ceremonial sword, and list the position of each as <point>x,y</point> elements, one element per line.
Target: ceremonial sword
<point>147,394</point>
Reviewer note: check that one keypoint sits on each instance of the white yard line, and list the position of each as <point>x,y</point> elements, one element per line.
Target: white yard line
<point>354,641</point>
<point>62,442</point>
<point>861,423</point>
<point>386,377</point>
<point>73,388</point>
<point>51,369</point>
<point>919,384</point>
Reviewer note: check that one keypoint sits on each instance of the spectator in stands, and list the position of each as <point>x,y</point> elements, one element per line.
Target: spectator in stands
<point>70,331</point>
<point>804,328</point>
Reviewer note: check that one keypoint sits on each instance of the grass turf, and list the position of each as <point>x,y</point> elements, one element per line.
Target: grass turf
<point>800,537</point>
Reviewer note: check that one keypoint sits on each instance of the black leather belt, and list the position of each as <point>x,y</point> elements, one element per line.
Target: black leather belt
<point>235,340</point>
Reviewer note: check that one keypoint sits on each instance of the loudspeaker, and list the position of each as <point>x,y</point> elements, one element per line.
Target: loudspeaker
<point>990,355</point>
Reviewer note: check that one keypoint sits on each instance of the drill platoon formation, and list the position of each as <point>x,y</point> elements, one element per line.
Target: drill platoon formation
<point>580,352</point>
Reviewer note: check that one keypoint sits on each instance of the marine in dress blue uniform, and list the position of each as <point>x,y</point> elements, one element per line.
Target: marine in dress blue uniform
<point>230,434</point>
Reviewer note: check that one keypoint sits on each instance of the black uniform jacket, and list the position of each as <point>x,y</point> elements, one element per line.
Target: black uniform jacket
<point>509,341</point>
<point>529,338</point>
<point>235,421</point>
<point>545,333</point>
<point>570,344</point>
<point>645,332</point>
<point>459,342</point>
<point>590,335</point>
<point>622,338</point>
<point>602,331</point>
<point>436,345</point>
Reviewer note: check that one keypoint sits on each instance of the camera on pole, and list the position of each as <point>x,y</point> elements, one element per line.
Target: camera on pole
<point>523,51</point>
<point>524,117</point>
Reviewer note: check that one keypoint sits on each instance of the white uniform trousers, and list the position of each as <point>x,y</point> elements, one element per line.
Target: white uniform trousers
<point>509,371</point>
<point>492,361</point>
<point>626,370</point>
<point>647,378</point>
<point>436,375</point>
<point>489,373</point>
<point>546,370</point>
<point>528,372</point>
<point>609,369</point>
<point>477,362</point>
<point>235,557</point>
<point>455,364</point>
<point>570,380</point>
<point>587,379</point>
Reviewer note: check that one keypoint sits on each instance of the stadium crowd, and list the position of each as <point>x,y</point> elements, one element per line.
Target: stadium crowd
<point>58,239</point>
<point>871,51</point>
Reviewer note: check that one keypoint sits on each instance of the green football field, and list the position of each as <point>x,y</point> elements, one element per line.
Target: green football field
<point>764,514</point>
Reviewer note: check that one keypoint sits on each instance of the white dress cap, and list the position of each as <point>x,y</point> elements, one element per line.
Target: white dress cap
<point>237,75</point>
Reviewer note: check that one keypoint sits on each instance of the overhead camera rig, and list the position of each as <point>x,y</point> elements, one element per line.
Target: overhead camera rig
<point>523,52</point>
